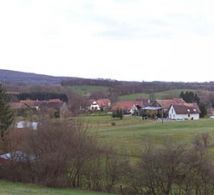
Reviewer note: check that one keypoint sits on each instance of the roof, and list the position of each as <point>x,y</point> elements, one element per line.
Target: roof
<point>143,102</point>
<point>17,105</point>
<point>104,102</point>
<point>54,103</point>
<point>36,103</point>
<point>187,108</point>
<point>165,104</point>
<point>124,105</point>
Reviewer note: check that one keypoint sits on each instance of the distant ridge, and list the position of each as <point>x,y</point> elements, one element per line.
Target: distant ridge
<point>14,77</point>
<point>116,86</point>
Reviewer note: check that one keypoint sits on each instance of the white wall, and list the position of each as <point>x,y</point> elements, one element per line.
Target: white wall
<point>27,124</point>
<point>186,117</point>
<point>195,116</point>
<point>94,107</point>
<point>171,113</point>
<point>173,116</point>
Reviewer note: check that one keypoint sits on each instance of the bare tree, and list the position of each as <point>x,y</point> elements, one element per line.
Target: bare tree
<point>59,152</point>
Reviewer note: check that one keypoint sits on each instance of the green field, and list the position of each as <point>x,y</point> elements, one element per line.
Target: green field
<point>132,133</point>
<point>158,95</point>
<point>84,90</point>
<point>128,137</point>
<point>9,188</point>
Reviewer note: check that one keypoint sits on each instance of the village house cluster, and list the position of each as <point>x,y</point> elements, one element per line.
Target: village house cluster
<point>53,108</point>
<point>173,109</point>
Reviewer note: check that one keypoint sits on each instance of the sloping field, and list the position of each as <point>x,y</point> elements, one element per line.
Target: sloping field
<point>87,89</point>
<point>9,188</point>
<point>132,133</point>
<point>158,95</point>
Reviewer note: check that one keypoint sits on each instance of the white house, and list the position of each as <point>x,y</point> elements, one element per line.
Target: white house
<point>184,112</point>
<point>100,104</point>
<point>94,106</point>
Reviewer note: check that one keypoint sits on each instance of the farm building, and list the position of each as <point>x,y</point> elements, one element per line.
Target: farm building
<point>128,107</point>
<point>50,107</point>
<point>186,111</point>
<point>131,107</point>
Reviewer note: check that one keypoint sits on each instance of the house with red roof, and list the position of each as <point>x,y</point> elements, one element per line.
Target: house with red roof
<point>131,106</point>
<point>128,107</point>
<point>100,104</point>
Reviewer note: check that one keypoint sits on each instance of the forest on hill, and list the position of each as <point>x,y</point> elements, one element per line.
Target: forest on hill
<point>120,87</point>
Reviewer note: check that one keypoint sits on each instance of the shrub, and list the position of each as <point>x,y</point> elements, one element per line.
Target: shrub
<point>117,114</point>
<point>56,148</point>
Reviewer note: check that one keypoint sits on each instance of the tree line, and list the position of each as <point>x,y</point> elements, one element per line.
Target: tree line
<point>128,87</point>
<point>191,97</point>
<point>42,96</point>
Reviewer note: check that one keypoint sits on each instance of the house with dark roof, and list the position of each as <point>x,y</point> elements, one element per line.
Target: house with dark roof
<point>166,103</point>
<point>185,111</point>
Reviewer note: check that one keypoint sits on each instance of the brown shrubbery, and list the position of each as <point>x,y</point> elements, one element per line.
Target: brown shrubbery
<point>62,155</point>
<point>180,170</point>
<point>66,155</point>
<point>55,153</point>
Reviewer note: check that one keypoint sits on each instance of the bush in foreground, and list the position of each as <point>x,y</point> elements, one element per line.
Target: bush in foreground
<point>60,155</point>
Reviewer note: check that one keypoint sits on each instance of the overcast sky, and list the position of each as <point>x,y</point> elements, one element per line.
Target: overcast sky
<point>167,40</point>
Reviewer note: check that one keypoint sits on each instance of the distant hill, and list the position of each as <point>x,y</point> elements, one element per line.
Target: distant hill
<point>112,87</point>
<point>14,77</point>
<point>132,87</point>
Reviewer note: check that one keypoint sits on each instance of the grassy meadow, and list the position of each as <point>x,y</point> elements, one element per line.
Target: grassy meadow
<point>84,90</point>
<point>11,188</point>
<point>158,95</point>
<point>132,133</point>
<point>129,137</point>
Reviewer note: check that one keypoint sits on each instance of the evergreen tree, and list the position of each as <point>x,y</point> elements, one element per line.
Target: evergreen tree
<point>117,114</point>
<point>182,95</point>
<point>6,114</point>
<point>203,110</point>
<point>190,97</point>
